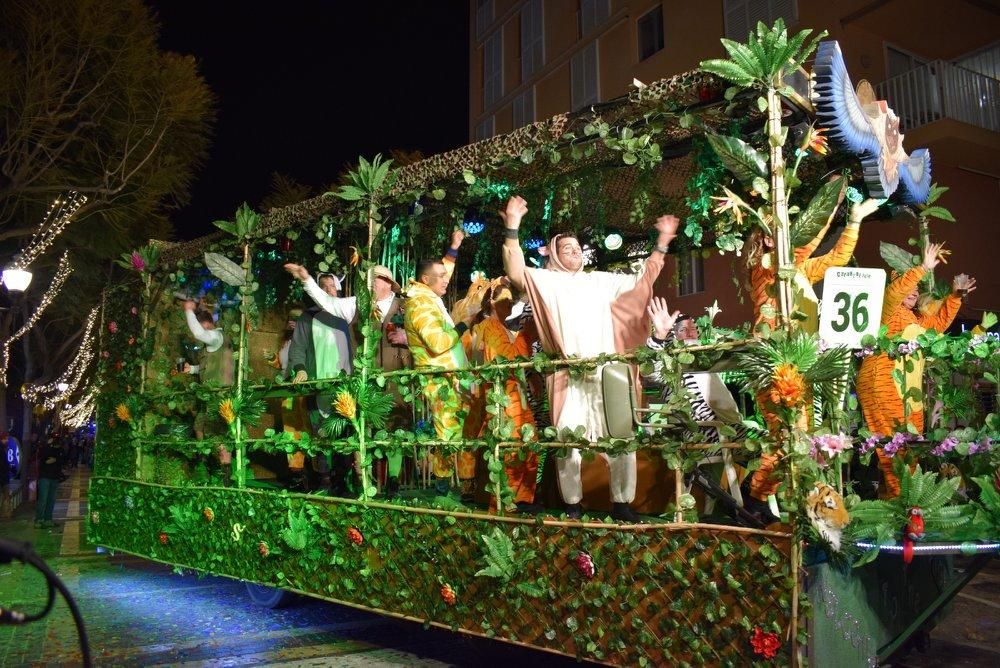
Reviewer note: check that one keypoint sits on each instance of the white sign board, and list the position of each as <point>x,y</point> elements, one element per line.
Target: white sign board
<point>852,305</point>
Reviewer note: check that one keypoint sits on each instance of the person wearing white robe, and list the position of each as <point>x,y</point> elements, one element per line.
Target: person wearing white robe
<point>585,314</point>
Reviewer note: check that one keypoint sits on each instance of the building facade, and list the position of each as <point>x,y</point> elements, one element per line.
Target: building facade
<point>938,65</point>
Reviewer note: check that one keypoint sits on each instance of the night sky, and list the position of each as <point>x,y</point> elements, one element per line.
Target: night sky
<point>304,87</point>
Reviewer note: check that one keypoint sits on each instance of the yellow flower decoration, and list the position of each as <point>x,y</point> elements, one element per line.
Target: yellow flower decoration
<point>226,411</point>
<point>788,387</point>
<point>346,406</point>
<point>815,141</point>
<point>123,414</point>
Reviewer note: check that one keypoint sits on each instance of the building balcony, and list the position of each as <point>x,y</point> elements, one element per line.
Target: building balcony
<point>942,89</point>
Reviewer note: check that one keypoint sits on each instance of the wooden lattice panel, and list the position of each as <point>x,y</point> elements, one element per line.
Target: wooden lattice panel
<point>660,594</point>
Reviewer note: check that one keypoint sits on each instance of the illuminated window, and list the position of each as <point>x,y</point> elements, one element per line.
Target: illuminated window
<point>692,278</point>
<point>742,15</point>
<point>486,128</point>
<point>493,69</point>
<point>532,39</point>
<point>584,78</point>
<point>592,14</point>
<point>524,108</point>
<point>484,17</point>
<point>650,32</point>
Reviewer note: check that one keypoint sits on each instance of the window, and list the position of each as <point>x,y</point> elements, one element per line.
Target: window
<point>650,32</point>
<point>592,14</point>
<point>486,128</point>
<point>492,69</point>
<point>584,78</point>
<point>532,39</point>
<point>899,62</point>
<point>742,15</point>
<point>692,270</point>
<point>484,17</point>
<point>524,108</point>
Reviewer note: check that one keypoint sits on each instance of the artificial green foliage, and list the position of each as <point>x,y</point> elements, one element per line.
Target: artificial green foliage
<point>299,533</point>
<point>743,160</point>
<point>899,259</point>
<point>819,211</point>
<point>505,563</point>
<point>244,226</point>
<point>765,58</point>
<point>658,597</point>
<point>883,521</point>
<point>225,269</point>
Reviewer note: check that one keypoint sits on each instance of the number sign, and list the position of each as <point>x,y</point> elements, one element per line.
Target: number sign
<point>852,305</point>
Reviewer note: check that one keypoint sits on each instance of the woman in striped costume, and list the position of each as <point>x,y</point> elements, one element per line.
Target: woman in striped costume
<point>880,396</point>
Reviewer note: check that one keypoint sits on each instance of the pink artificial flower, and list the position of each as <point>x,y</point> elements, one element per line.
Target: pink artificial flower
<point>137,262</point>
<point>832,444</point>
<point>113,327</point>
<point>135,311</point>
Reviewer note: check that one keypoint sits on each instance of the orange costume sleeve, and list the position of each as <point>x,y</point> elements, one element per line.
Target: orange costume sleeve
<point>878,393</point>
<point>839,255</point>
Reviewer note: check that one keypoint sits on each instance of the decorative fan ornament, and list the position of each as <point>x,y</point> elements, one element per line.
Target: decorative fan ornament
<point>864,125</point>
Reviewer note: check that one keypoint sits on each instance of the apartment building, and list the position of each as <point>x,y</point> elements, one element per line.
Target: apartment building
<point>938,65</point>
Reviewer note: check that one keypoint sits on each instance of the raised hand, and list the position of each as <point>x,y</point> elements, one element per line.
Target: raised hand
<point>190,305</point>
<point>861,211</point>
<point>298,271</point>
<point>667,226</point>
<point>514,212</point>
<point>457,236</point>
<point>963,283</point>
<point>663,319</point>
<point>932,256</point>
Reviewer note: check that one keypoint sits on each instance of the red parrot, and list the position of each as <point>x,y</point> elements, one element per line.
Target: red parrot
<point>914,532</point>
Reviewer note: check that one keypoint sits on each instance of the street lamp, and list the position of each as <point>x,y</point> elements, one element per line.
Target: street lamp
<point>16,280</point>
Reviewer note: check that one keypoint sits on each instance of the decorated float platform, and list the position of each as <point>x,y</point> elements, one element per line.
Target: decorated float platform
<point>687,586</point>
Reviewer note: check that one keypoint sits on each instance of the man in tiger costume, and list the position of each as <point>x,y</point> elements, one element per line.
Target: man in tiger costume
<point>881,398</point>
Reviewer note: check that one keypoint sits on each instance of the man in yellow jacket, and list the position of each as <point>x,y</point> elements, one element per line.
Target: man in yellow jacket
<point>435,342</point>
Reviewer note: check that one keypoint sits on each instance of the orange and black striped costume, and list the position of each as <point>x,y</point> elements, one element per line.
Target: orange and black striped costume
<point>881,398</point>
<point>763,292</point>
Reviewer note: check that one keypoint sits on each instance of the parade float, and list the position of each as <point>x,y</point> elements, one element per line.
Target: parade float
<point>732,146</point>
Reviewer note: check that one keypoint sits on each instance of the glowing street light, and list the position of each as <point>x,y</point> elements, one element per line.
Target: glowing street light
<point>16,280</point>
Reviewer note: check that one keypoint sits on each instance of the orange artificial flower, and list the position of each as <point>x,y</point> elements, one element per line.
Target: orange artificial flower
<point>816,141</point>
<point>355,536</point>
<point>226,411</point>
<point>346,406</point>
<point>355,256</point>
<point>788,387</point>
<point>123,413</point>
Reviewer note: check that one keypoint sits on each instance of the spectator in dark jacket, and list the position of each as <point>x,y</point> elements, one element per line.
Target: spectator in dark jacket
<point>49,474</point>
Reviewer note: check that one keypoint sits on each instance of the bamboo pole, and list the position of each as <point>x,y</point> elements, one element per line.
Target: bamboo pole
<point>779,205</point>
<point>241,371</point>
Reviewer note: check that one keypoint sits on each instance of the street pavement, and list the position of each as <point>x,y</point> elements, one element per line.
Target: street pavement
<point>140,613</point>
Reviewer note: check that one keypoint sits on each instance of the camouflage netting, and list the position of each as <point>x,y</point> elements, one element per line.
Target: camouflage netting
<point>500,156</point>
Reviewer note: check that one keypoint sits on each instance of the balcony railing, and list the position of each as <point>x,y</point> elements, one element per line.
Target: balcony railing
<point>941,89</point>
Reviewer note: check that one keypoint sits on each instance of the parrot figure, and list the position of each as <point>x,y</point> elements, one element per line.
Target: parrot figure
<point>914,532</point>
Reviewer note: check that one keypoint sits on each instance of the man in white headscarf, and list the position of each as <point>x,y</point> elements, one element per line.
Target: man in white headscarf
<point>585,314</point>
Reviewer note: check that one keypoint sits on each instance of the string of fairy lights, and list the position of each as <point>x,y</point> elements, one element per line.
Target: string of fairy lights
<point>59,215</point>
<point>62,274</point>
<point>67,383</point>
<point>79,414</point>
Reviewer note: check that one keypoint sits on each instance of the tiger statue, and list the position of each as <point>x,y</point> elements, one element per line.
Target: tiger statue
<point>949,470</point>
<point>827,513</point>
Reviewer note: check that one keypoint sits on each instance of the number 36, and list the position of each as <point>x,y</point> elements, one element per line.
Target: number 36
<point>855,314</point>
